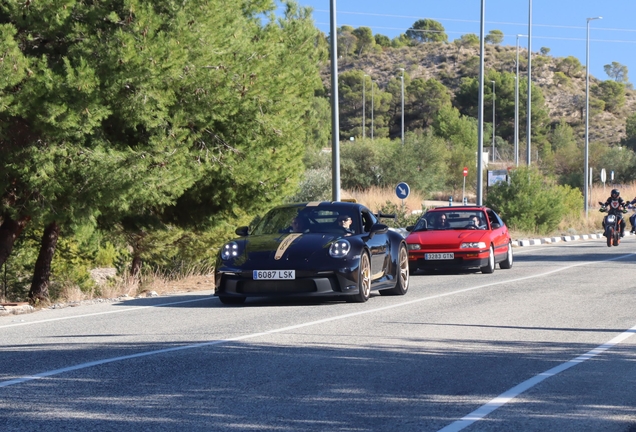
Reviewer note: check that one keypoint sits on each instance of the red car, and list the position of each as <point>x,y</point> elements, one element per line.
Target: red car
<point>458,238</point>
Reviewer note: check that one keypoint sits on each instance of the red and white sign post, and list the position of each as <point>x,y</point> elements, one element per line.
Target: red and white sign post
<point>464,187</point>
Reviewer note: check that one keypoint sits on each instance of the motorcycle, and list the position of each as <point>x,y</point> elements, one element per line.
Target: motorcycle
<point>611,223</point>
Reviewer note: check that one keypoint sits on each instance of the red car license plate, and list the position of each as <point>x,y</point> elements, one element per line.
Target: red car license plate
<point>439,256</point>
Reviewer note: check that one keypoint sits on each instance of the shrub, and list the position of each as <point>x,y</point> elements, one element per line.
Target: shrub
<point>315,186</point>
<point>561,79</point>
<point>533,203</point>
<point>402,219</point>
<point>420,162</point>
<point>359,164</point>
<point>106,255</point>
<point>612,93</point>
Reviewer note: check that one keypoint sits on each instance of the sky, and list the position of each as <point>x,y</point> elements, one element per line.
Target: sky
<point>559,25</point>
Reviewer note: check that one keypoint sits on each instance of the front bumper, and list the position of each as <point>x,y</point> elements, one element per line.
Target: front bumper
<point>462,261</point>
<point>242,284</point>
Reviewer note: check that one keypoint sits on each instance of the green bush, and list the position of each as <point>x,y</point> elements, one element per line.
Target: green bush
<point>315,186</point>
<point>17,272</point>
<point>360,166</point>
<point>533,203</point>
<point>420,162</point>
<point>170,250</point>
<point>106,255</point>
<point>402,217</point>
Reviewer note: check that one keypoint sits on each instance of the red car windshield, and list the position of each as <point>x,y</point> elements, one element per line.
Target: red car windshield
<point>451,220</point>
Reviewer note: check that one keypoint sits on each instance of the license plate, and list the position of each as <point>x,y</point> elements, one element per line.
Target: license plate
<point>274,274</point>
<point>439,256</point>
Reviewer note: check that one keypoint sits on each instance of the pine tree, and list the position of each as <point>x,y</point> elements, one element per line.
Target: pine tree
<point>115,110</point>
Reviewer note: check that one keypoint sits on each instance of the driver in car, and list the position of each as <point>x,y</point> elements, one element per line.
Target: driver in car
<point>344,222</point>
<point>300,225</point>
<point>442,223</point>
<point>477,222</point>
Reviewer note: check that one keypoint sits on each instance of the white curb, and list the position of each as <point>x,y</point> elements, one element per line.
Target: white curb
<point>550,240</point>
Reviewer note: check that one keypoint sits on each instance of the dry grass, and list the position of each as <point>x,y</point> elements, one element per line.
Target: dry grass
<point>67,293</point>
<point>600,193</point>
<point>193,279</point>
<point>375,198</point>
<point>184,283</point>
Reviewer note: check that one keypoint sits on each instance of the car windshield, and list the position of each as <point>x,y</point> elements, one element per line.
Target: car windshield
<point>451,220</point>
<point>307,220</point>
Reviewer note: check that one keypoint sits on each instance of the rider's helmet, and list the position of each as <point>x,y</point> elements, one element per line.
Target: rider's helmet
<point>615,193</point>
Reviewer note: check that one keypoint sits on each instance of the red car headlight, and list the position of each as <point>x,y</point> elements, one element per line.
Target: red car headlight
<point>473,245</point>
<point>413,246</point>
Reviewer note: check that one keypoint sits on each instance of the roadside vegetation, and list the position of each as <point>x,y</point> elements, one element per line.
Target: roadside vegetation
<point>137,135</point>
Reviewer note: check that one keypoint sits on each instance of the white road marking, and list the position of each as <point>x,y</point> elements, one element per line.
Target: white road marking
<point>508,395</point>
<point>283,329</point>
<point>103,313</point>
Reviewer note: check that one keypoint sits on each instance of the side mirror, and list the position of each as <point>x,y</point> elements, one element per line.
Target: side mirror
<point>410,228</point>
<point>495,225</point>
<point>242,231</point>
<point>378,228</point>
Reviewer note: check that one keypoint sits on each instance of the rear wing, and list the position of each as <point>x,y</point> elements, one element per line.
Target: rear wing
<point>381,215</point>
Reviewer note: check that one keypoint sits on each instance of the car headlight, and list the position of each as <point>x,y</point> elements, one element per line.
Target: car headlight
<point>229,250</point>
<point>339,248</point>
<point>413,246</point>
<point>473,245</point>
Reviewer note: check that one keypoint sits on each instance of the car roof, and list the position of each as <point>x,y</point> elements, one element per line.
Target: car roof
<point>459,208</point>
<point>339,205</point>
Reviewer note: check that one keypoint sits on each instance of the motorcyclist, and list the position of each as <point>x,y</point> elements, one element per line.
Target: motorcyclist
<point>614,204</point>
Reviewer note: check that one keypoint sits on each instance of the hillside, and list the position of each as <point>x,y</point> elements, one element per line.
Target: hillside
<point>449,64</point>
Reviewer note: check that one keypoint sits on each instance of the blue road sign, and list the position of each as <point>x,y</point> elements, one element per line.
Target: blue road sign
<point>402,190</point>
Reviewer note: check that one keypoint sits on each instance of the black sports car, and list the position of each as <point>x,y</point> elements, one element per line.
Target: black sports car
<point>313,249</point>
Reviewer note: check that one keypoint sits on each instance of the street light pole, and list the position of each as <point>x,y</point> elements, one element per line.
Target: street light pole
<point>529,109</point>
<point>587,116</point>
<point>335,125</point>
<point>402,69</point>
<point>372,90</point>
<point>517,107</point>
<point>493,120</point>
<point>364,103</point>
<point>480,108</point>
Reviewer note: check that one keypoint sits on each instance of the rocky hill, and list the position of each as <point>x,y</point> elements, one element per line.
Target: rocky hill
<point>448,63</point>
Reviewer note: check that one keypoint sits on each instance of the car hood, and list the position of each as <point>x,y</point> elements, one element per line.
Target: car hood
<point>449,238</point>
<point>289,247</point>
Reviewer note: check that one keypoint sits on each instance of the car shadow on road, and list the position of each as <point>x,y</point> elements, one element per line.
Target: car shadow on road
<point>192,301</point>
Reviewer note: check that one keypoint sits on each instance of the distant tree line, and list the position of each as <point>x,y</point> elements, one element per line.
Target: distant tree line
<point>557,145</point>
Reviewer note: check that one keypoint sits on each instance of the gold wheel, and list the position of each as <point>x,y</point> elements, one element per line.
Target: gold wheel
<point>365,278</point>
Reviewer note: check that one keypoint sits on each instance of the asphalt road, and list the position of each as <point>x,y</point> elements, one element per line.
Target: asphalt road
<point>548,345</point>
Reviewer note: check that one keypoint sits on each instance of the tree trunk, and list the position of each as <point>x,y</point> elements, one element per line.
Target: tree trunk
<point>136,267</point>
<point>42,272</point>
<point>10,230</point>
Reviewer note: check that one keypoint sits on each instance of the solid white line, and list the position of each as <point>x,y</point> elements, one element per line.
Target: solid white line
<point>508,395</point>
<point>104,313</point>
<point>284,329</point>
